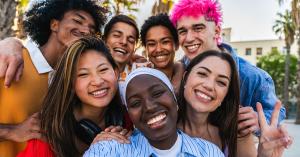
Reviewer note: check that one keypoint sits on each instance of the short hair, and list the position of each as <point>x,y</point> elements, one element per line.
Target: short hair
<point>159,20</point>
<point>120,18</point>
<point>210,9</point>
<point>38,18</point>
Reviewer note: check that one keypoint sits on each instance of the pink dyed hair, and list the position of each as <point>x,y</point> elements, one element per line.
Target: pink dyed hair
<point>210,9</point>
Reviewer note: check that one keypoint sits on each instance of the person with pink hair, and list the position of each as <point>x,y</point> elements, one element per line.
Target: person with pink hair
<point>198,24</point>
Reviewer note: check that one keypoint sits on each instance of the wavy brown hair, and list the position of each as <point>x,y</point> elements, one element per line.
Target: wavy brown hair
<point>57,118</point>
<point>225,116</point>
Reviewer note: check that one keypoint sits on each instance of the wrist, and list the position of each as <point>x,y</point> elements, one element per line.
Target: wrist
<point>7,132</point>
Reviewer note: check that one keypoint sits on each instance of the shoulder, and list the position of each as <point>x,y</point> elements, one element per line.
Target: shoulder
<point>103,148</point>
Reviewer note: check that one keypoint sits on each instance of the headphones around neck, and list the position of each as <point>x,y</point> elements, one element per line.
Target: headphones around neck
<point>86,130</point>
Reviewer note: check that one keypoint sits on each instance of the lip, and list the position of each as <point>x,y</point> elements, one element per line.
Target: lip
<point>192,48</point>
<point>161,57</point>
<point>120,51</point>
<point>202,96</point>
<point>99,93</point>
<point>158,124</point>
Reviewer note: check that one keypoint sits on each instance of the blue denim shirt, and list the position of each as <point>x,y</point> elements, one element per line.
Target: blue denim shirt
<point>256,85</point>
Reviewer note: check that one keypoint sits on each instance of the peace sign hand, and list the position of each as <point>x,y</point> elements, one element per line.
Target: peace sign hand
<point>273,139</point>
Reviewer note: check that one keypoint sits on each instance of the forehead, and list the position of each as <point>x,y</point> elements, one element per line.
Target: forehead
<point>80,14</point>
<point>158,32</point>
<point>124,28</point>
<point>189,21</point>
<point>143,83</point>
<point>91,57</point>
<point>216,65</point>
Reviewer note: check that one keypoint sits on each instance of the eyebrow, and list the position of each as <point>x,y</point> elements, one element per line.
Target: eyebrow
<point>149,89</point>
<point>194,25</point>
<point>83,18</point>
<point>96,67</point>
<point>220,75</point>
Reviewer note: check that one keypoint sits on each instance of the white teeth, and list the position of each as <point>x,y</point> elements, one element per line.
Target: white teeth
<point>162,57</point>
<point>193,47</point>
<point>120,50</point>
<point>203,95</point>
<point>99,92</point>
<point>156,119</point>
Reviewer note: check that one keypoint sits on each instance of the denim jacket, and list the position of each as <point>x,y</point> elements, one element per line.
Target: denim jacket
<point>256,85</point>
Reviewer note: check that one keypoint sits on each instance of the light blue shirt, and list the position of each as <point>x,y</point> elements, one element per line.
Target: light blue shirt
<point>140,147</point>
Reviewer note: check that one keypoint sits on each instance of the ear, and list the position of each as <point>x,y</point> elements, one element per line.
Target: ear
<point>217,33</point>
<point>54,24</point>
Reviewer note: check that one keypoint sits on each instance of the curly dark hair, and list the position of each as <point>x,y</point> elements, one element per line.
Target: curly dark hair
<point>159,20</point>
<point>120,18</point>
<point>38,18</point>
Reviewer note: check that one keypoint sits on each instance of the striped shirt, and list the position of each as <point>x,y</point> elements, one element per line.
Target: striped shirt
<point>140,147</point>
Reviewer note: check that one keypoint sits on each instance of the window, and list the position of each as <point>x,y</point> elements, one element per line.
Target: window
<point>248,51</point>
<point>259,51</point>
<point>274,49</point>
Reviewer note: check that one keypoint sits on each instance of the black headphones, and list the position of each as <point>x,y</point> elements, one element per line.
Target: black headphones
<point>86,130</point>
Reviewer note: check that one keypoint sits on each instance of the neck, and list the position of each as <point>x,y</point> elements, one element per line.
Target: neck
<point>197,122</point>
<point>166,143</point>
<point>52,51</point>
<point>94,114</point>
<point>121,67</point>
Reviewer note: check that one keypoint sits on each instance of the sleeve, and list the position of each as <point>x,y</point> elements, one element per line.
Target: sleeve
<point>36,148</point>
<point>102,149</point>
<point>266,95</point>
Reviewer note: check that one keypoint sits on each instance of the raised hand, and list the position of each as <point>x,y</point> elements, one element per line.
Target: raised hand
<point>273,139</point>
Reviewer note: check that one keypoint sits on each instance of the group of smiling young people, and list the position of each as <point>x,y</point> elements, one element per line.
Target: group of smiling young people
<point>201,106</point>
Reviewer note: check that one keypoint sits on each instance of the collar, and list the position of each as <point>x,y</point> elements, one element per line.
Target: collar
<point>187,141</point>
<point>37,58</point>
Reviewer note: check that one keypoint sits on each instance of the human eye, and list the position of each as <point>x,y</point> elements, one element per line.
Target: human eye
<point>134,103</point>
<point>199,28</point>
<point>131,40</point>
<point>202,74</point>
<point>181,31</point>
<point>82,74</point>
<point>77,21</point>
<point>165,42</point>
<point>157,93</point>
<point>103,69</point>
<point>222,83</point>
<point>150,44</point>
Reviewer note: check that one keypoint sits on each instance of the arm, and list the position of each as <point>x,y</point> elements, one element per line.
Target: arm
<point>24,131</point>
<point>246,146</point>
<point>11,60</point>
<point>247,121</point>
<point>273,139</point>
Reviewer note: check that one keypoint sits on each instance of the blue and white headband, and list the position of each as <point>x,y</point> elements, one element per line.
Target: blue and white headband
<point>148,71</point>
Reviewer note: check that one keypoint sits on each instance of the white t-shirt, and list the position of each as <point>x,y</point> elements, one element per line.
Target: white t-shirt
<point>173,151</point>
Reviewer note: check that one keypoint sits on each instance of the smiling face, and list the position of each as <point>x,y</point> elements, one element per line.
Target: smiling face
<point>121,40</point>
<point>160,47</point>
<point>152,109</point>
<point>207,84</point>
<point>197,35</point>
<point>96,80</point>
<point>74,25</point>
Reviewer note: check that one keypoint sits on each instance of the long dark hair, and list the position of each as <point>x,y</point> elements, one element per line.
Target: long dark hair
<point>225,116</point>
<point>57,118</point>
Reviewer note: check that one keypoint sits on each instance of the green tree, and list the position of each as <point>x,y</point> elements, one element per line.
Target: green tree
<point>9,11</point>
<point>274,64</point>
<point>162,6</point>
<point>122,6</point>
<point>295,6</point>
<point>284,25</point>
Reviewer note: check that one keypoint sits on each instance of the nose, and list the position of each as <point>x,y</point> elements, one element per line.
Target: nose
<point>85,30</point>
<point>123,40</point>
<point>149,105</point>
<point>189,36</point>
<point>209,84</point>
<point>96,80</point>
<point>159,47</point>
